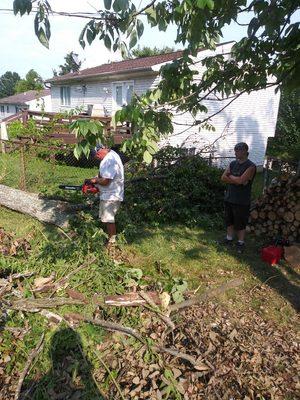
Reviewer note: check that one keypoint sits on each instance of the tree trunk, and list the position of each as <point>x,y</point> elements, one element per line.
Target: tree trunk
<point>50,211</point>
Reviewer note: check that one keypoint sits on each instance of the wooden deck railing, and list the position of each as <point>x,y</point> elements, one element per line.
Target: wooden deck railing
<point>59,125</point>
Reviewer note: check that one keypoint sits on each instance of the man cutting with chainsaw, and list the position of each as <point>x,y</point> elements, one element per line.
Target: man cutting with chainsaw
<point>111,184</point>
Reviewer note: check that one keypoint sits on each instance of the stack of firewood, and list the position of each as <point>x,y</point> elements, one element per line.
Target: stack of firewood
<point>277,212</point>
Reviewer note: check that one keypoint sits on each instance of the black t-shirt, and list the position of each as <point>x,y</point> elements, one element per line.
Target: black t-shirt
<point>239,194</point>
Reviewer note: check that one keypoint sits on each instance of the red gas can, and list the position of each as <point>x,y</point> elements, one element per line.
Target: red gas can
<point>271,254</point>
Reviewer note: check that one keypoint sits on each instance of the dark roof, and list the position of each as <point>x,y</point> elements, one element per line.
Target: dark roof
<point>142,63</point>
<point>120,66</point>
<point>21,98</point>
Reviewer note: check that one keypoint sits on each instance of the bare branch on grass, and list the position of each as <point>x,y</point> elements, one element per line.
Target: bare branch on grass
<point>207,295</point>
<point>35,352</point>
<point>153,307</point>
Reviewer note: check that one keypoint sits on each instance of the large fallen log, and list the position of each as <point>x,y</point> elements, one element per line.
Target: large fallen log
<point>49,211</point>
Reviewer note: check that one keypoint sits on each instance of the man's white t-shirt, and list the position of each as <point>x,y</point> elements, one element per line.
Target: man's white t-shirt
<point>111,167</point>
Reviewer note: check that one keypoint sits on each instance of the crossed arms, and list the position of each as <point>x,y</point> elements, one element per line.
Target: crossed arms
<point>238,180</point>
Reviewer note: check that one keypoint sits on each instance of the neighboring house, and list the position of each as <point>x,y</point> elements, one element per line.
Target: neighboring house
<point>250,118</point>
<point>33,100</point>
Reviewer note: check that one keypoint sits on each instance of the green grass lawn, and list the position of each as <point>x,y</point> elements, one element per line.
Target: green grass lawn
<point>39,175</point>
<point>167,255</point>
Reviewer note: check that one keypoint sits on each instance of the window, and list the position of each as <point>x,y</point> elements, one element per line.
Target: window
<point>2,109</point>
<point>122,94</point>
<point>65,95</point>
<point>7,109</point>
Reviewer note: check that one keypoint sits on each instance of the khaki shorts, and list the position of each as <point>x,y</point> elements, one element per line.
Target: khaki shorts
<point>108,210</point>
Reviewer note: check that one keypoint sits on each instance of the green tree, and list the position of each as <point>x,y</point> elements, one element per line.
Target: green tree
<point>146,51</point>
<point>286,143</point>
<point>268,55</point>
<point>32,81</point>
<point>7,83</point>
<point>72,64</point>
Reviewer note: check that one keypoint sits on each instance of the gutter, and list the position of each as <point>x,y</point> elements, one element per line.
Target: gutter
<point>103,76</point>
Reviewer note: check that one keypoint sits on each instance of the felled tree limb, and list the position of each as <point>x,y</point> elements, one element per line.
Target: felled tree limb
<point>35,305</point>
<point>111,326</point>
<point>155,309</point>
<point>176,353</point>
<point>132,299</point>
<point>31,357</point>
<point>208,294</point>
<point>21,275</point>
<point>64,280</point>
<point>49,211</point>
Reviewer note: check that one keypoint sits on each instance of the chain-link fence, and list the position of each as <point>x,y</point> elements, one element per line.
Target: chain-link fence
<point>41,168</point>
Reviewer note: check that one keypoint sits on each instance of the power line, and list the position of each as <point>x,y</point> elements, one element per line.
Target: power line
<point>88,15</point>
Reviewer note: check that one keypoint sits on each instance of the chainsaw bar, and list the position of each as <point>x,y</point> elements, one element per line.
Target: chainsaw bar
<point>71,187</point>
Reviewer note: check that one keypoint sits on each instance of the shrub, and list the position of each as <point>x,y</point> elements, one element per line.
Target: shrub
<point>180,189</point>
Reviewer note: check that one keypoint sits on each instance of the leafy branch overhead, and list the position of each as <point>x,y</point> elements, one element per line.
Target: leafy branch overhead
<point>268,55</point>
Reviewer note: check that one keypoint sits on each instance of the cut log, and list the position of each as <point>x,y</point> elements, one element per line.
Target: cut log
<point>272,215</point>
<point>48,211</point>
<point>132,299</point>
<point>288,216</point>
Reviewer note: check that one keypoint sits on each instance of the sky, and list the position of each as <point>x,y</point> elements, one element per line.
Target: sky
<point>21,50</point>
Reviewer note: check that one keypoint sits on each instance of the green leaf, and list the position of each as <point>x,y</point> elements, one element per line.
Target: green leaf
<point>133,39</point>
<point>81,37</point>
<point>107,4</point>
<point>139,28</point>
<point>86,150</point>
<point>77,151</point>
<point>107,42</point>
<point>147,157</point>
<point>201,4</point>
<point>116,45</point>
<point>90,34</point>
<point>210,4</point>
<point>43,38</point>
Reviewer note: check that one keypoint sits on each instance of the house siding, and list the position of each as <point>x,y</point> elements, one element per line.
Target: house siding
<point>44,103</point>
<point>97,93</point>
<point>250,118</point>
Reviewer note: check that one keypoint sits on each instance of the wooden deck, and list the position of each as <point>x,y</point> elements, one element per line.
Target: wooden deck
<point>58,125</point>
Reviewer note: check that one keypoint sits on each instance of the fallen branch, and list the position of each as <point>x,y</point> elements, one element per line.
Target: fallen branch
<point>35,305</point>
<point>49,211</point>
<point>111,326</point>
<point>176,353</point>
<point>110,374</point>
<point>132,299</point>
<point>208,294</point>
<point>31,357</point>
<point>21,275</point>
<point>155,309</point>
<point>63,281</point>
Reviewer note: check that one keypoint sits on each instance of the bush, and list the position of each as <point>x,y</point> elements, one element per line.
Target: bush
<point>17,129</point>
<point>180,189</point>
<point>286,143</point>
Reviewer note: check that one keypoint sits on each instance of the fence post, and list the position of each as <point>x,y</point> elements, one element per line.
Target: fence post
<point>3,136</point>
<point>266,174</point>
<point>24,116</point>
<point>22,183</point>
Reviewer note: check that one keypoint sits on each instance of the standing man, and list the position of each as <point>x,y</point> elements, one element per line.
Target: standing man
<point>239,175</point>
<point>111,183</point>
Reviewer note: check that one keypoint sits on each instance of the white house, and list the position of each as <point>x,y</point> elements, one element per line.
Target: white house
<point>34,100</point>
<point>250,118</point>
